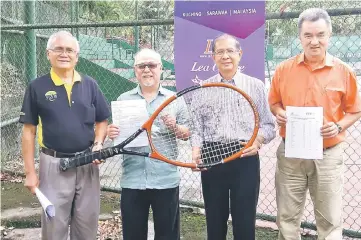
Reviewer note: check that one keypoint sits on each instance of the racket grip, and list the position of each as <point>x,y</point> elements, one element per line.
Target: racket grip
<point>86,158</point>
<point>80,160</point>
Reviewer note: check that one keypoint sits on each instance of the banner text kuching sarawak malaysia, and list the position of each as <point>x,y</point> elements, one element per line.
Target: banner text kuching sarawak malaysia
<point>197,23</point>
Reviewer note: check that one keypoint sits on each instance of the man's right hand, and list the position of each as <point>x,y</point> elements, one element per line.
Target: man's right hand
<point>281,117</point>
<point>112,131</point>
<point>196,157</point>
<point>31,182</point>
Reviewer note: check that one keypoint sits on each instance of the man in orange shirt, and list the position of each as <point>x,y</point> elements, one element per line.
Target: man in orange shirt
<point>314,78</point>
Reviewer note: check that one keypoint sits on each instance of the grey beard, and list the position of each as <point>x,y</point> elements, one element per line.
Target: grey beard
<point>148,84</point>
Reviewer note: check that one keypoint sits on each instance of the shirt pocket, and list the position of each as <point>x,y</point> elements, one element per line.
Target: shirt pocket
<point>333,98</point>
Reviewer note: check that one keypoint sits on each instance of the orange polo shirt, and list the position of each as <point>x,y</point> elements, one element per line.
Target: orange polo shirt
<point>332,86</point>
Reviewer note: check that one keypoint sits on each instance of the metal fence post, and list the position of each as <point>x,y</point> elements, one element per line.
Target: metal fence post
<point>30,49</point>
<point>30,41</point>
<point>136,29</point>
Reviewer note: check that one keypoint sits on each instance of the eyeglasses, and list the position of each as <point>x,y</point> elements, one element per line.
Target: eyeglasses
<point>59,50</point>
<point>220,53</point>
<point>142,66</point>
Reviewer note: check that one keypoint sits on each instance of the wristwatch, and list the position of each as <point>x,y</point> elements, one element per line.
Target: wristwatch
<point>338,127</point>
<point>96,143</point>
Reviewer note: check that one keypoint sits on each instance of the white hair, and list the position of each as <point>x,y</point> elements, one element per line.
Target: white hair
<point>313,15</point>
<point>148,53</point>
<point>54,36</point>
<point>223,37</point>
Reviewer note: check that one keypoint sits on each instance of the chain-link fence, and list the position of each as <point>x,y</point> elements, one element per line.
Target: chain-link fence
<point>107,54</point>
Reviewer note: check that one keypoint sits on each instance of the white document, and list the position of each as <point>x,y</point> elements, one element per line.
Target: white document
<point>129,116</point>
<point>303,132</point>
<point>48,207</point>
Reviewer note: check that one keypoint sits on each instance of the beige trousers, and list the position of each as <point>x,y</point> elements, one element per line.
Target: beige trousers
<point>75,194</point>
<point>324,179</point>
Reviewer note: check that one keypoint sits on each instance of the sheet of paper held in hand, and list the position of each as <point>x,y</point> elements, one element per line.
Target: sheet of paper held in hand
<point>303,132</point>
<point>129,116</point>
<point>48,207</point>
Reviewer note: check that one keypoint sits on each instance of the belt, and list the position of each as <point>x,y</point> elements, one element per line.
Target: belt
<point>284,140</point>
<point>56,154</point>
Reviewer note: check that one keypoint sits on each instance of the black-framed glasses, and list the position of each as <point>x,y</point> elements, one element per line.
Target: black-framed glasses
<point>142,66</point>
<point>60,50</point>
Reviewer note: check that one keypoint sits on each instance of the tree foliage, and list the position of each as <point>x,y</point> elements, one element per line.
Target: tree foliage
<point>103,11</point>
<point>280,30</point>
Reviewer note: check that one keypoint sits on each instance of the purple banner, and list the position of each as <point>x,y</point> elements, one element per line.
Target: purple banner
<point>197,23</point>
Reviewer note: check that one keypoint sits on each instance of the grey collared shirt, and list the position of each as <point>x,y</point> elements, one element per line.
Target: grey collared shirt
<point>147,173</point>
<point>206,122</point>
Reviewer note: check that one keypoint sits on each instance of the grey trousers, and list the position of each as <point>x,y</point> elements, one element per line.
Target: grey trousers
<point>76,198</point>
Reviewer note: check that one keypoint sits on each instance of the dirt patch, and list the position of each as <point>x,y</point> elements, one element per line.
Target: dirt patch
<point>193,226</point>
<point>109,203</point>
<point>15,195</point>
<point>21,210</point>
<point>17,234</point>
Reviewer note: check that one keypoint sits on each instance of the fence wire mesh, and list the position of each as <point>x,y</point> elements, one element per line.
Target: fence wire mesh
<point>107,55</point>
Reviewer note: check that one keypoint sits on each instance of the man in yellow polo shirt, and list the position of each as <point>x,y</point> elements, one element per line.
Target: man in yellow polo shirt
<point>65,106</point>
<point>314,78</point>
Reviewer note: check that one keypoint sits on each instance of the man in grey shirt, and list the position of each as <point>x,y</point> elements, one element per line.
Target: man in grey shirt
<point>239,179</point>
<point>148,182</point>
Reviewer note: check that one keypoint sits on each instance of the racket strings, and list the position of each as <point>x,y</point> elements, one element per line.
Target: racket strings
<point>165,133</point>
<point>218,120</point>
<point>217,151</point>
<point>233,125</point>
<point>237,118</point>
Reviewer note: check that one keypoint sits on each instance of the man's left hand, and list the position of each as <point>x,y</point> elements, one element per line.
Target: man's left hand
<point>252,150</point>
<point>97,147</point>
<point>329,130</point>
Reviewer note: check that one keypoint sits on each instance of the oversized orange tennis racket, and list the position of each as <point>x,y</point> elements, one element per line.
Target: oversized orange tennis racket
<point>215,117</point>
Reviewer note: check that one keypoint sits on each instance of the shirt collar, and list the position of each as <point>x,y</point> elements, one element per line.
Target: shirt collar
<point>57,80</point>
<point>327,62</point>
<point>220,79</point>
<point>138,91</point>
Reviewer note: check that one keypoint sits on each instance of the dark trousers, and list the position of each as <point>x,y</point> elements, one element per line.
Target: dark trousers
<point>134,206</point>
<point>232,185</point>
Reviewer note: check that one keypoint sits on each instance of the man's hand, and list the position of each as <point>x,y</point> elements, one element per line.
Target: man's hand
<point>252,150</point>
<point>170,122</point>
<point>31,182</point>
<point>112,131</point>
<point>329,130</point>
<point>28,150</point>
<point>181,132</point>
<point>97,147</point>
<point>196,157</point>
<point>281,117</point>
